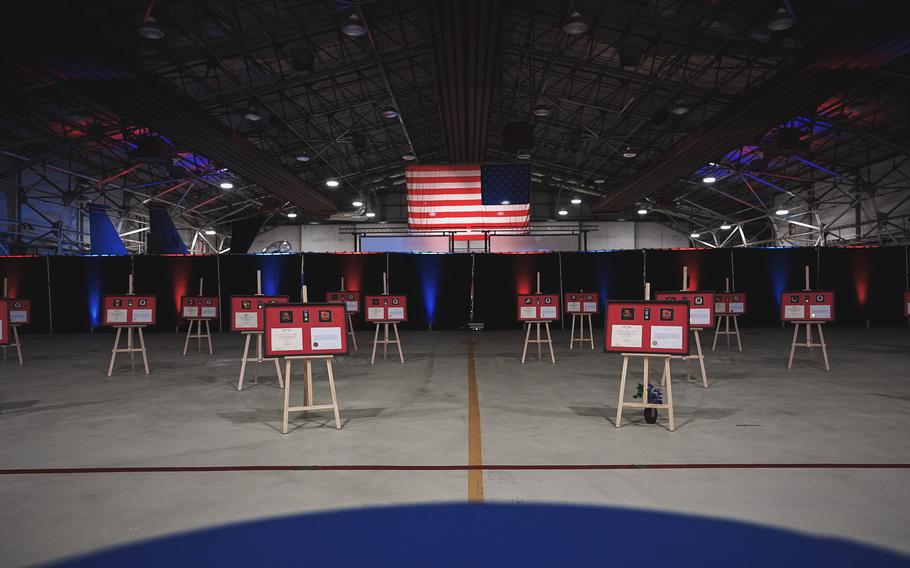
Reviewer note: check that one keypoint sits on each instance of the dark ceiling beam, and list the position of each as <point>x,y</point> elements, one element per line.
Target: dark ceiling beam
<point>465,39</point>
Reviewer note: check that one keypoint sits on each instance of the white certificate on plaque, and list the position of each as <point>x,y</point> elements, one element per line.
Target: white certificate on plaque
<point>547,312</point>
<point>529,312</point>
<point>590,307</point>
<point>143,315</point>
<point>737,307</point>
<point>720,307</point>
<point>325,338</point>
<point>190,312</point>
<point>667,337</point>
<point>795,312</point>
<point>626,336</point>
<point>246,320</point>
<point>375,313</point>
<point>351,306</point>
<point>287,339</point>
<point>18,316</point>
<point>396,313</point>
<point>573,307</point>
<point>208,312</point>
<point>819,312</point>
<point>700,316</point>
<point>116,316</point>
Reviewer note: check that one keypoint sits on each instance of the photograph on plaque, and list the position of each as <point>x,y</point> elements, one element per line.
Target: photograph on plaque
<point>628,313</point>
<point>286,316</point>
<point>666,314</point>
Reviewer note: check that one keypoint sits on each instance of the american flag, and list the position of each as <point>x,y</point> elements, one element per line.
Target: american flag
<point>469,197</point>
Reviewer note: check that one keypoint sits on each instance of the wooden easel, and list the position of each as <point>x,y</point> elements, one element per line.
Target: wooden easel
<point>726,319</point>
<point>309,402</point>
<point>581,339</point>
<point>538,341</point>
<point>386,341</point>
<point>350,320</point>
<point>129,342</point>
<point>666,379</point>
<point>808,344</point>
<point>246,348</point>
<point>198,336</point>
<point>700,356</point>
<point>13,330</point>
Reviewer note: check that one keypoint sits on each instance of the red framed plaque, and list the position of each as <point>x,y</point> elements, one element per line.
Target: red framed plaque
<point>730,303</point>
<point>350,299</point>
<point>659,328</point>
<point>20,311</point>
<point>305,329</point>
<point>701,306</point>
<point>581,302</point>
<point>4,321</point>
<point>246,311</point>
<point>390,308</point>
<point>814,305</point>
<point>907,304</point>
<point>199,307</point>
<point>538,307</point>
<point>129,310</point>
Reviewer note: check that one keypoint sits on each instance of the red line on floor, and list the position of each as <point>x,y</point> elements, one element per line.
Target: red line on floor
<point>485,467</point>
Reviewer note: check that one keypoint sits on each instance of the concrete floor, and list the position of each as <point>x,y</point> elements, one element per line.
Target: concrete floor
<point>61,411</point>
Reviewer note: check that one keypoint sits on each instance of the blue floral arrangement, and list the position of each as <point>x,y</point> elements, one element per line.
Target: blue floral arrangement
<point>655,395</point>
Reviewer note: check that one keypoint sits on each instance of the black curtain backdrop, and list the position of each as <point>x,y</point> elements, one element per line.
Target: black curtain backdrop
<point>172,277</point>
<point>616,275</point>
<point>438,288</point>
<point>499,278</point>
<point>869,282</point>
<point>27,280</point>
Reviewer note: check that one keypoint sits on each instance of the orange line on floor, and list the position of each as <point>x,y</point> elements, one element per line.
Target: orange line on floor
<point>475,447</point>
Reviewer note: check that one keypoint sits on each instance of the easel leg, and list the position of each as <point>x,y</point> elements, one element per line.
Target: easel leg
<point>716,333</point>
<point>669,385</point>
<point>258,358</point>
<point>351,331</point>
<point>539,351</point>
<point>145,357</point>
<point>824,346</point>
<point>186,343</point>
<point>572,335</point>
<point>809,341</point>
<point>736,326</point>
<point>129,346</point>
<point>524,351</point>
<point>278,371</point>
<point>246,352</point>
<point>385,343</point>
<point>375,343</point>
<point>308,386</point>
<point>328,365</point>
<point>646,368</point>
<point>18,343</point>
<point>110,368</point>
<point>793,345</point>
<point>398,342</point>
<point>208,334</point>
<point>701,360</point>
<point>287,393</point>
<point>550,343</point>
<point>622,389</point>
<point>727,333</point>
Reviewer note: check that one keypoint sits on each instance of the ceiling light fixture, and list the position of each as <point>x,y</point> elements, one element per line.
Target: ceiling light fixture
<point>357,203</point>
<point>332,183</point>
<point>541,110</point>
<point>370,214</point>
<point>252,114</point>
<point>576,25</point>
<point>629,153</point>
<point>506,202</point>
<point>782,212</point>
<point>227,185</point>
<point>353,27</point>
<point>599,181</point>
<point>642,211</point>
<point>709,179</point>
<point>563,212</point>
<point>680,107</point>
<point>524,155</point>
<point>302,158</point>
<point>695,235</point>
<point>292,215</point>
<point>408,157</point>
<point>576,201</point>
<point>726,227</point>
<point>210,232</point>
<point>390,113</point>
<point>149,29</point>
<point>781,21</point>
